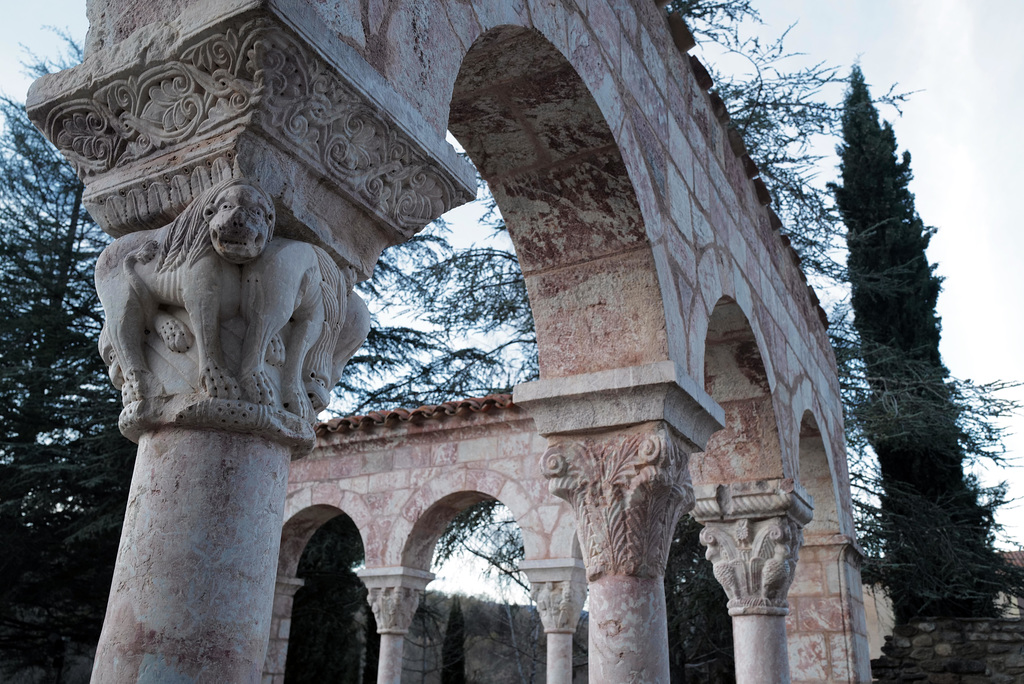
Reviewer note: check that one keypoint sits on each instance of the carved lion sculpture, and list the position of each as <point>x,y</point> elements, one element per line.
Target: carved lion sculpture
<point>218,261</point>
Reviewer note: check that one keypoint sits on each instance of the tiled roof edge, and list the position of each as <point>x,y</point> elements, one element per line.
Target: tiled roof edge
<point>395,417</point>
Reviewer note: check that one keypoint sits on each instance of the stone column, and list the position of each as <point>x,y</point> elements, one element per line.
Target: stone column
<point>559,588</point>
<point>627,489</point>
<point>752,531</point>
<point>280,629</point>
<point>220,336</point>
<point>619,446</point>
<point>252,168</point>
<point>394,594</point>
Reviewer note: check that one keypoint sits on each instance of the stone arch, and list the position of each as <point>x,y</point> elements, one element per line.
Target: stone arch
<point>816,474</point>
<point>539,138</point>
<point>415,539</point>
<point>298,529</point>
<point>308,508</point>
<point>736,377</point>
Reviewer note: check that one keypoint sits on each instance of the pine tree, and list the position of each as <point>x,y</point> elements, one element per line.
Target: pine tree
<point>64,467</point>
<point>934,540</point>
<point>453,649</point>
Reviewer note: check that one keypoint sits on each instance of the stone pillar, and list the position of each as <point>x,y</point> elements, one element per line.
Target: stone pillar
<point>226,328</point>
<point>394,594</point>
<point>220,336</point>
<point>826,626</point>
<point>280,629</point>
<point>619,446</point>
<point>627,489</point>
<point>559,588</point>
<point>752,531</point>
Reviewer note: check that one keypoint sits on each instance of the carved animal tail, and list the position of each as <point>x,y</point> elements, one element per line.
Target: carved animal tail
<point>319,365</point>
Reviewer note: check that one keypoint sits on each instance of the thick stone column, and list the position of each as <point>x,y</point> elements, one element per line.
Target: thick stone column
<point>252,168</point>
<point>394,594</point>
<point>280,629</point>
<point>752,531</point>
<point>559,588</point>
<point>220,336</point>
<point>619,445</point>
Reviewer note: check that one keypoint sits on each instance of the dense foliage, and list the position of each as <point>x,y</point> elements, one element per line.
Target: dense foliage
<point>64,467</point>
<point>934,531</point>
<point>453,648</point>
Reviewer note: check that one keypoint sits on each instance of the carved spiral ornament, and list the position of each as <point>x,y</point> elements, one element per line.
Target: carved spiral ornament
<point>627,493</point>
<point>257,74</point>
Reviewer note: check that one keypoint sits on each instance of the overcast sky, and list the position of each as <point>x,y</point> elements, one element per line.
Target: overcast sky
<point>961,126</point>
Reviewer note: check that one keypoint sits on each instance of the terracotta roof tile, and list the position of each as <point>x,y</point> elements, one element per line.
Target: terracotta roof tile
<point>1015,557</point>
<point>394,417</point>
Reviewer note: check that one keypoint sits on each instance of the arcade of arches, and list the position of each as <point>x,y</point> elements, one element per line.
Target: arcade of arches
<point>255,157</point>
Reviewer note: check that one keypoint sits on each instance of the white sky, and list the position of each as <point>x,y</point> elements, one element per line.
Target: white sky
<point>962,129</point>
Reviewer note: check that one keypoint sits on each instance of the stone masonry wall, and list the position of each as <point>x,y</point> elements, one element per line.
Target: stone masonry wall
<point>949,651</point>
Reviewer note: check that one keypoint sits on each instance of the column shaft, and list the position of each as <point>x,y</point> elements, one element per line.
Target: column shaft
<point>389,669</point>
<point>193,585</point>
<point>628,640</point>
<point>759,645</point>
<point>559,670</point>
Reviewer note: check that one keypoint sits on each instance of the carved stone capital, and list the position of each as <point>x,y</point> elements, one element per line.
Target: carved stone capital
<point>559,604</point>
<point>213,322</point>
<point>149,131</point>
<point>559,588</point>
<point>394,594</point>
<point>627,490</point>
<point>753,533</point>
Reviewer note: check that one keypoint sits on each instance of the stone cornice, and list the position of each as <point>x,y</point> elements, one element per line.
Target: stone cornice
<point>755,499</point>
<point>621,397</point>
<point>150,132</point>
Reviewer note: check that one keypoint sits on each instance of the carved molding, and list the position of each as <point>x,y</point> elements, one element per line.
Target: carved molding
<point>753,533</point>
<point>213,322</point>
<point>754,561</point>
<point>559,604</point>
<point>254,75</point>
<point>627,492</point>
<point>393,607</point>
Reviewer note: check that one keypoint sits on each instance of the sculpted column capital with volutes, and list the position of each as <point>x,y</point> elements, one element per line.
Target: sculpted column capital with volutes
<point>627,489</point>
<point>753,533</point>
<point>619,442</point>
<point>214,322</point>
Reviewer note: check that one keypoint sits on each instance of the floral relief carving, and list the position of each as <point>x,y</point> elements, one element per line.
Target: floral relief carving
<point>559,604</point>
<point>627,493</point>
<point>257,74</point>
<point>754,561</point>
<point>393,608</point>
<point>214,308</point>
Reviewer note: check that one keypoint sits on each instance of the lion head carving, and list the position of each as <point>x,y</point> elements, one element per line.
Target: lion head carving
<point>234,218</point>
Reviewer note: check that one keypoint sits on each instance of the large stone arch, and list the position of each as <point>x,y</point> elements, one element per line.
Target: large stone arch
<point>537,135</point>
<point>738,376</point>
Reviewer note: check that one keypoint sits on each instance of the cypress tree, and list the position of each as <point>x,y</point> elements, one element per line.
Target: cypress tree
<point>453,649</point>
<point>935,554</point>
